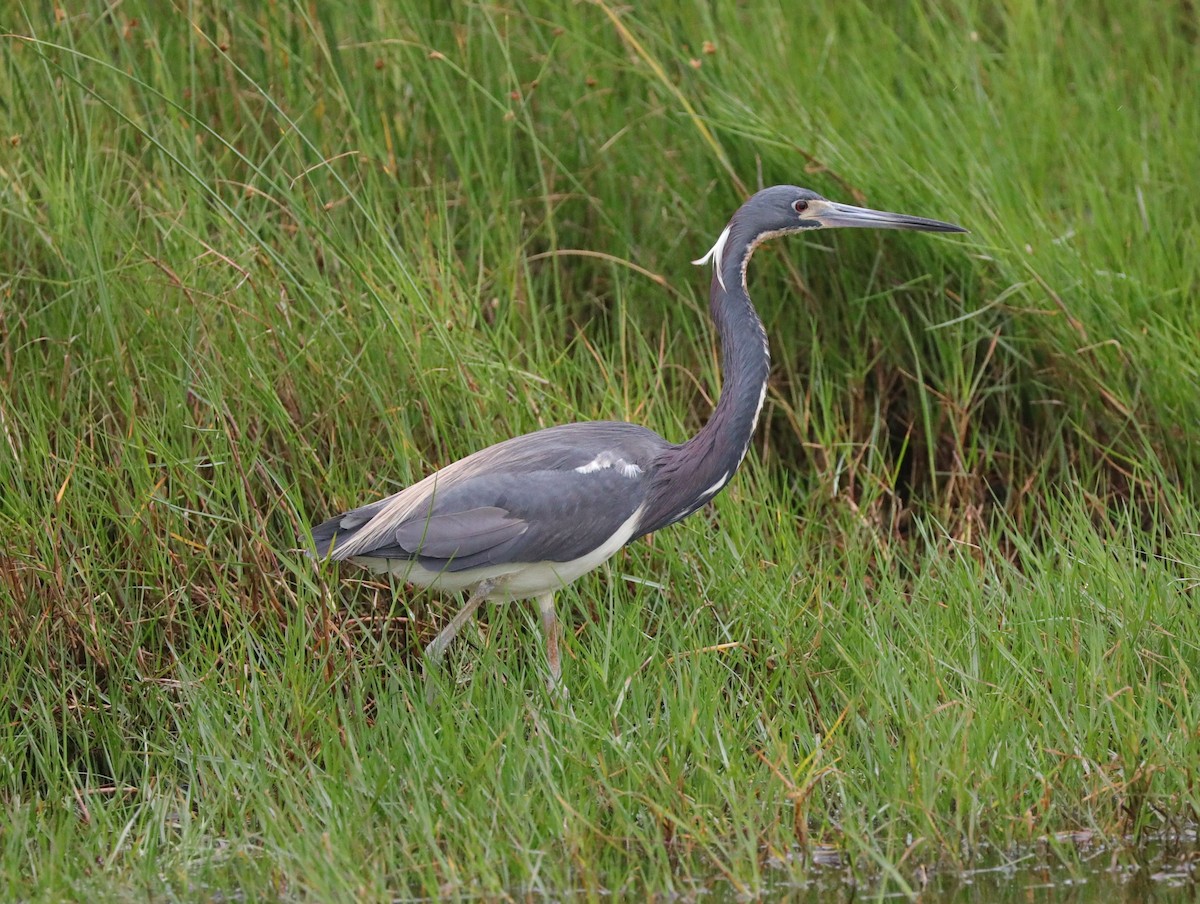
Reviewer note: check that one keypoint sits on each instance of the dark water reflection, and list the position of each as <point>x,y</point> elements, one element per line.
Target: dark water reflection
<point>1064,870</point>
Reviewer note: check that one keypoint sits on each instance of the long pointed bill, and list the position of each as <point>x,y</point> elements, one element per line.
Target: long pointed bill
<point>841,216</point>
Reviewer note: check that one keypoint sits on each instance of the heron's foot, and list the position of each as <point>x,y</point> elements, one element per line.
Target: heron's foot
<point>557,690</point>
<point>436,651</point>
<point>433,682</point>
<point>553,631</point>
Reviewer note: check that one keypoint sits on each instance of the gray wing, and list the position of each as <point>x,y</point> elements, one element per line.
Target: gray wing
<point>541,516</point>
<point>554,495</point>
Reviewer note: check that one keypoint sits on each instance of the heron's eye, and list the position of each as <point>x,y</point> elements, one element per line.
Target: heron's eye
<point>800,206</point>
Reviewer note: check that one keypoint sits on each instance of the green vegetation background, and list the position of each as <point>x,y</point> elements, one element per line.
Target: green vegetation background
<point>262,262</point>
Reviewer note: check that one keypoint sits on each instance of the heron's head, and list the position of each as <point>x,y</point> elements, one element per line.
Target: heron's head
<point>782,209</point>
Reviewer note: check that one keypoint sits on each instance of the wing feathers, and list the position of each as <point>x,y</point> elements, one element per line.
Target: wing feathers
<point>553,495</point>
<point>455,534</point>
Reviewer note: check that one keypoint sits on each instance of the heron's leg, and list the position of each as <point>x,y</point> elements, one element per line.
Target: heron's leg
<point>551,627</point>
<point>436,651</point>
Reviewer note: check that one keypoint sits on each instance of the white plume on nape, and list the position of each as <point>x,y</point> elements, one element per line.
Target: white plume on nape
<point>716,254</point>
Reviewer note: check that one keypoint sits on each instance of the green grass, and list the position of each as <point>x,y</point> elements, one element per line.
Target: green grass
<point>260,265</point>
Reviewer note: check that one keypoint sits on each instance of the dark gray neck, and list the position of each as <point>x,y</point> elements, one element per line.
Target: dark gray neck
<point>690,475</point>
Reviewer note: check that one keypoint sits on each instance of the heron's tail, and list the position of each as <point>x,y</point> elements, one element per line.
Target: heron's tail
<point>329,535</point>
<point>323,537</point>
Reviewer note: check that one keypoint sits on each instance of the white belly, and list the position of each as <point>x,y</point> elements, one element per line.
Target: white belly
<point>514,581</point>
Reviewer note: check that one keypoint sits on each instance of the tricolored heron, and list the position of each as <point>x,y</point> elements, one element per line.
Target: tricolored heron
<point>527,516</point>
